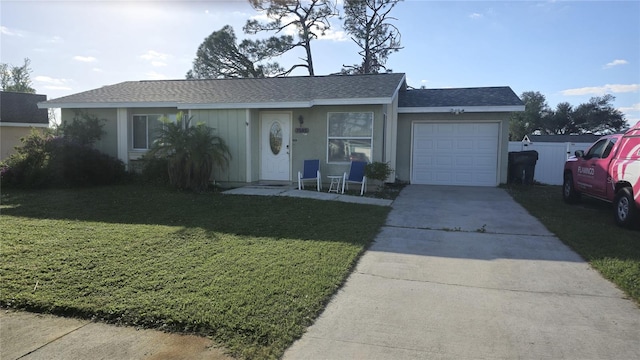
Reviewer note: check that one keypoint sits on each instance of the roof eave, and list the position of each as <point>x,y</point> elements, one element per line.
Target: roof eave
<point>459,109</point>
<point>23,124</point>
<point>195,106</point>
<point>104,105</point>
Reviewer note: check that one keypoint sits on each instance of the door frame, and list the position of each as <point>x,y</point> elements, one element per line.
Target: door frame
<point>286,142</point>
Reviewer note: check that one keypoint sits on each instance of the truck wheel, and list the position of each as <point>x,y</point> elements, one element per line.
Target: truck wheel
<point>569,193</point>
<point>624,208</point>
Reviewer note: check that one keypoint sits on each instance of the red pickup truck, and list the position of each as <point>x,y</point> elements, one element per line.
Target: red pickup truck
<point>610,171</point>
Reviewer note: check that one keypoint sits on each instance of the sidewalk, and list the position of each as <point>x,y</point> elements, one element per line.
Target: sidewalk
<point>29,336</point>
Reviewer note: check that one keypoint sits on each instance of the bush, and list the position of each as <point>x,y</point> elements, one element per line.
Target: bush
<point>84,129</point>
<point>45,160</point>
<point>378,171</point>
<point>154,170</point>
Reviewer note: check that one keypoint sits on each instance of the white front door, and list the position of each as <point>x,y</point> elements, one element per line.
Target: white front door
<point>275,146</point>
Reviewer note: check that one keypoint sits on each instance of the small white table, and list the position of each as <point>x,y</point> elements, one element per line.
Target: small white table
<point>335,181</point>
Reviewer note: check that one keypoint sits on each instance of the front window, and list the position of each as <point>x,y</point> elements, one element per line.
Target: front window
<point>145,130</point>
<point>350,136</point>
<point>275,138</point>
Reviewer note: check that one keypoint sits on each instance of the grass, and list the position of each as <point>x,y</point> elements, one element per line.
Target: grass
<point>589,229</point>
<point>251,272</point>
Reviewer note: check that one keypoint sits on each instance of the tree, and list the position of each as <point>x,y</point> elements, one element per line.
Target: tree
<point>367,21</point>
<point>16,78</point>
<point>535,109</point>
<point>598,116</point>
<point>191,151</point>
<point>220,57</point>
<point>560,121</point>
<point>310,18</point>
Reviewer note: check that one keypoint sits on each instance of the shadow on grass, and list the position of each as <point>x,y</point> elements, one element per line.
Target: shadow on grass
<point>259,216</point>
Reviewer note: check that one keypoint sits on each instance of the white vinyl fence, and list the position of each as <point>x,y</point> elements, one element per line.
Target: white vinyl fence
<point>551,158</point>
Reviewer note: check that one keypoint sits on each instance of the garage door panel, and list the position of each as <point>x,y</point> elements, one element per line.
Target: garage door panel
<point>463,161</point>
<point>423,144</point>
<point>487,131</point>
<point>458,154</point>
<point>464,145</point>
<point>444,144</point>
<point>424,130</point>
<point>484,162</point>
<point>442,177</point>
<point>464,129</point>
<point>485,144</point>
<point>423,161</point>
<point>443,161</point>
<point>444,129</point>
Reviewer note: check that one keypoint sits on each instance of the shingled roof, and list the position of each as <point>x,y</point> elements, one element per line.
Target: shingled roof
<point>501,96</point>
<point>241,93</point>
<point>22,108</point>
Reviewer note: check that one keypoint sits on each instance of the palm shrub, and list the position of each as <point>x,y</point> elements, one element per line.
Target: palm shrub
<point>191,152</point>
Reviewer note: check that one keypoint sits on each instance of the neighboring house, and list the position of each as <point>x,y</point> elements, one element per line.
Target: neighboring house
<point>443,136</point>
<point>19,113</point>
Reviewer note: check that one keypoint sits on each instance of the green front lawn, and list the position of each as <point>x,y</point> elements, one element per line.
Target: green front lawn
<point>590,230</point>
<point>251,272</point>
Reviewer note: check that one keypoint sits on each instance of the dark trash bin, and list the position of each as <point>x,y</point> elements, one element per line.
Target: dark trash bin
<point>522,167</point>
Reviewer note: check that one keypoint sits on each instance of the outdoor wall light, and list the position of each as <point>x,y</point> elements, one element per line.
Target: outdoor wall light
<point>300,129</point>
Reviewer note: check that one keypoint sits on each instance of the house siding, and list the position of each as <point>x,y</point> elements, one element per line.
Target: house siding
<point>404,142</point>
<point>10,137</point>
<point>231,126</point>
<point>314,144</point>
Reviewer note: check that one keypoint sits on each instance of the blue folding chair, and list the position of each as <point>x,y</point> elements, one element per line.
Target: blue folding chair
<point>311,171</point>
<point>356,175</point>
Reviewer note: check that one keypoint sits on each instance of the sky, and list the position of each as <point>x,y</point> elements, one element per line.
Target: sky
<point>569,51</point>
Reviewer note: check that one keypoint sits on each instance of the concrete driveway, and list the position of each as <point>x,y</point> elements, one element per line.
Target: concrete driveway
<point>467,273</point>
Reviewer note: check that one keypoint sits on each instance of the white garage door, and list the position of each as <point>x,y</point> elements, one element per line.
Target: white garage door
<point>455,154</point>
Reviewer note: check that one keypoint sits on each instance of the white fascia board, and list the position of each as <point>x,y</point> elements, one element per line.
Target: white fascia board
<point>288,105</point>
<point>466,109</point>
<point>184,106</point>
<point>355,101</point>
<point>107,105</point>
<point>402,82</point>
<point>15,124</point>
<point>266,105</point>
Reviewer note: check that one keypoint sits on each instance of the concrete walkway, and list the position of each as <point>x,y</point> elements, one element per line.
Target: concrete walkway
<point>309,194</point>
<point>467,273</point>
<point>28,336</point>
